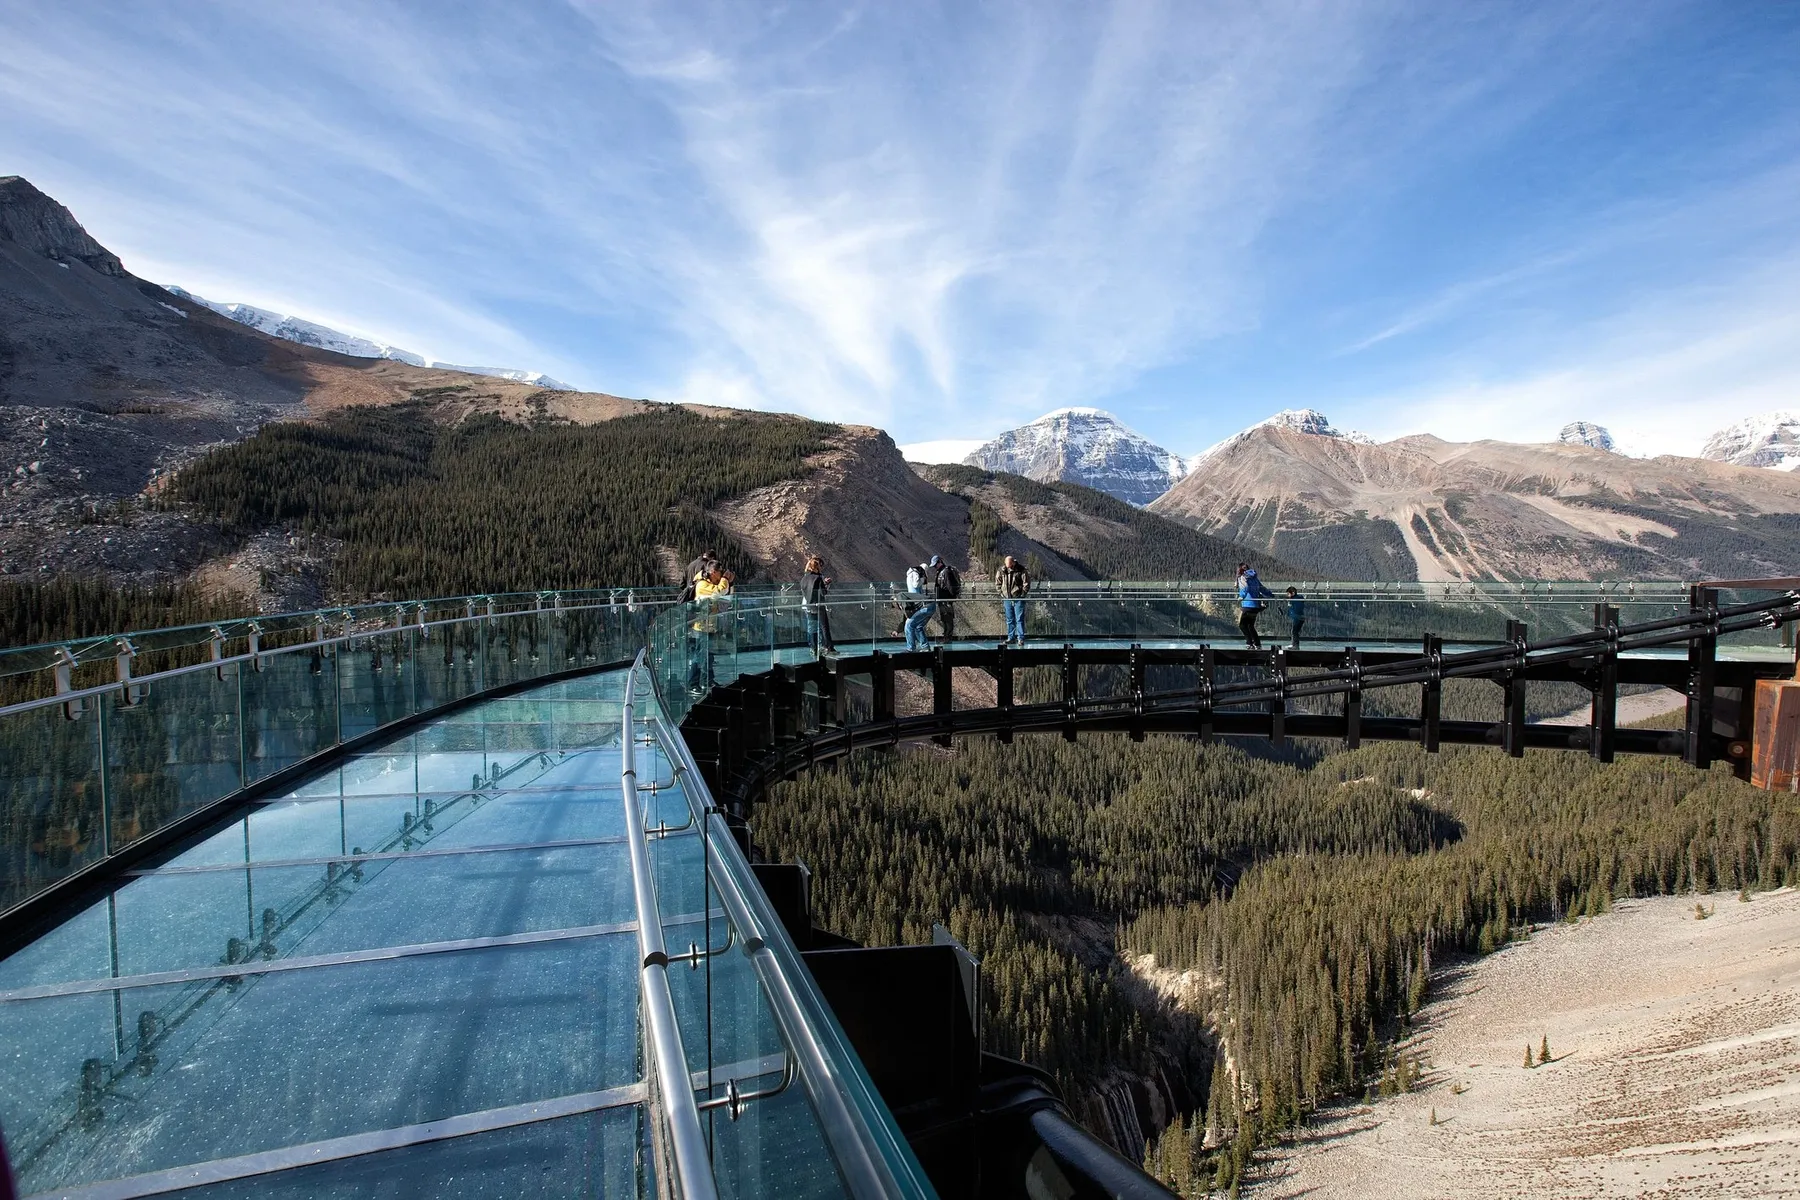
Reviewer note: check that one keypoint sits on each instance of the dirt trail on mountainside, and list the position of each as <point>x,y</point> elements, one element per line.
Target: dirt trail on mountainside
<point>1675,1069</point>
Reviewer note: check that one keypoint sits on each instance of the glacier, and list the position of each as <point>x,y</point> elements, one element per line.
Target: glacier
<point>309,333</point>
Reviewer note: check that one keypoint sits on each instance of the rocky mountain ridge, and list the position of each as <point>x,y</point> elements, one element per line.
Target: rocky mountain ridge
<point>1586,433</point>
<point>1423,508</point>
<point>1769,440</point>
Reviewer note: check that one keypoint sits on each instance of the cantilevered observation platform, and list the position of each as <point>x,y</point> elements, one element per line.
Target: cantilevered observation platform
<point>433,899</point>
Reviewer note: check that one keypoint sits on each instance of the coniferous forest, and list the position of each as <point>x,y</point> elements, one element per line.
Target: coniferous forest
<point>1311,898</point>
<point>424,509</point>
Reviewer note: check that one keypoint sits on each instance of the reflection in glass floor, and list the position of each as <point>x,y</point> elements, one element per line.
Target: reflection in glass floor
<point>415,975</point>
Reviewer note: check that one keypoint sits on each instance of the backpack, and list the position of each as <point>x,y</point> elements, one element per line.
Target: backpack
<point>915,579</point>
<point>687,594</point>
<point>949,584</point>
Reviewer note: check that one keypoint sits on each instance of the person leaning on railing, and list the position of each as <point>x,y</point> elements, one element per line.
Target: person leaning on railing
<point>1014,583</point>
<point>711,592</point>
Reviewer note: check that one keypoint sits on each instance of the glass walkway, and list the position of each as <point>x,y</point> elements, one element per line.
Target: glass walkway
<point>418,975</point>
<point>430,899</point>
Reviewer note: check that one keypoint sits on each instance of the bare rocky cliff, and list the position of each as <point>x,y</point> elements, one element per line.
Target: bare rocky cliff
<point>862,507</point>
<point>1424,508</point>
<point>39,225</point>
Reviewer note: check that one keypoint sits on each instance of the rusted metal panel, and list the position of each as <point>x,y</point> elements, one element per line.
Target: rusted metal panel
<point>1775,742</point>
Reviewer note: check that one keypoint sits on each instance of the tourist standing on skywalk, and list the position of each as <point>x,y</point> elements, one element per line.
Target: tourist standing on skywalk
<point>1014,583</point>
<point>1296,610</point>
<point>813,587</point>
<point>712,592</point>
<point>1251,594</point>
<point>949,587</point>
<point>921,584</point>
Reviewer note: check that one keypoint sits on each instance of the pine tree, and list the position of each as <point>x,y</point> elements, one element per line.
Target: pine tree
<point>1528,1062</point>
<point>1544,1050</point>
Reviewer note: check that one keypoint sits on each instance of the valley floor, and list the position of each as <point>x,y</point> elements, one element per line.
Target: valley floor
<point>1675,1068</point>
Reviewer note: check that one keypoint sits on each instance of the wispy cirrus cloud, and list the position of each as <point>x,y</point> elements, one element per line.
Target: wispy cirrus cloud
<point>944,219</point>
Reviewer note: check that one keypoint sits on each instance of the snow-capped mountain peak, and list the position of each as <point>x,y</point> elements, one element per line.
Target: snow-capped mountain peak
<point>1087,446</point>
<point>1768,440</point>
<point>1586,433</point>
<point>308,333</point>
<point>1311,420</point>
<point>1299,420</point>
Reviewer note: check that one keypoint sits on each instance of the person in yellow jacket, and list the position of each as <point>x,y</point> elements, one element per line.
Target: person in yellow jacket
<point>711,591</point>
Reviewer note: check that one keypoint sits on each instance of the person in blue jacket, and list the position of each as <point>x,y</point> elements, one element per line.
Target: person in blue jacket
<point>1296,606</point>
<point>1251,594</point>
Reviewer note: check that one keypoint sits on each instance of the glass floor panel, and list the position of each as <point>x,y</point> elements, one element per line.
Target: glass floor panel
<point>592,1154</point>
<point>286,1058</point>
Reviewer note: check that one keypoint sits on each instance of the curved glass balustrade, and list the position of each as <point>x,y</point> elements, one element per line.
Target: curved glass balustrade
<point>118,739</point>
<point>416,970</point>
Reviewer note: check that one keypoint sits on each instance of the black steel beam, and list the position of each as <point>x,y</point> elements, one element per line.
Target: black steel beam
<point>1702,672</point>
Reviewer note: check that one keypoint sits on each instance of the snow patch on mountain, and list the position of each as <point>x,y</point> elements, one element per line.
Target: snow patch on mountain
<point>1586,433</point>
<point>309,333</point>
<point>1299,420</point>
<point>1087,446</point>
<point>1769,440</point>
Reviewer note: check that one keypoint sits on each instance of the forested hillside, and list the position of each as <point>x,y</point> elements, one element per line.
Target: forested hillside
<point>1312,899</point>
<point>489,505</point>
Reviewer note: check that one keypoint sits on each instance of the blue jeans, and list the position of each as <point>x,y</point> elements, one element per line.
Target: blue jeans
<point>818,630</point>
<point>1015,621</point>
<point>915,627</point>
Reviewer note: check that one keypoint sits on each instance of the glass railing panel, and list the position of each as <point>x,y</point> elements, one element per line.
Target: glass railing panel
<point>290,710</point>
<point>592,1154</point>
<point>734,1026</point>
<point>219,1069</point>
<point>511,648</point>
<point>680,876</point>
<point>376,674</point>
<point>864,1124</point>
<point>726,1023</point>
<point>50,797</point>
<point>1767,645</point>
<point>586,637</point>
<point>775,1148</point>
<point>175,750</point>
<point>450,664</point>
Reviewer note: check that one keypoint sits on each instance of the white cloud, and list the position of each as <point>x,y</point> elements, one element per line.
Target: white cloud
<point>944,220</point>
<point>943,450</point>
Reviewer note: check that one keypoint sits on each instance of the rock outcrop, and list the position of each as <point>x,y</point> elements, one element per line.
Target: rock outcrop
<point>39,225</point>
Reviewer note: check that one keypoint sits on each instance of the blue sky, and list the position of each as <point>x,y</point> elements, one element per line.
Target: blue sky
<point>1475,219</point>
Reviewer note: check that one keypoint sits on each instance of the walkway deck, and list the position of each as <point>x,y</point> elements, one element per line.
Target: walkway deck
<point>427,952</point>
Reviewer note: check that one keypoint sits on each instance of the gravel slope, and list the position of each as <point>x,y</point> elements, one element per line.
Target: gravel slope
<point>1675,1068</point>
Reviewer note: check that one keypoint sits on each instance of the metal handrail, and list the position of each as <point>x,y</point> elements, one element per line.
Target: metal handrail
<point>864,1170</point>
<point>680,1112</point>
<point>393,614</point>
